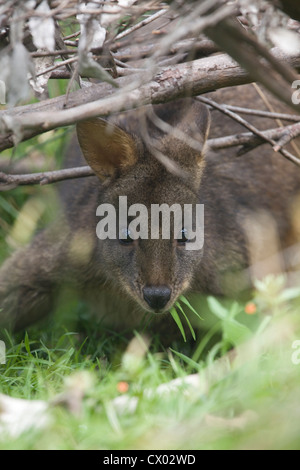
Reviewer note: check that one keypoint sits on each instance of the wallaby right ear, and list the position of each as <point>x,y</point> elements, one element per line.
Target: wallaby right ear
<point>192,119</point>
<point>105,146</point>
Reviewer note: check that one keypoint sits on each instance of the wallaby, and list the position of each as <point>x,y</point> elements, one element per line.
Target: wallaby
<point>137,157</point>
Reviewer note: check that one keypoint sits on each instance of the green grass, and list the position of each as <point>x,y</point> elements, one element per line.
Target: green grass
<point>250,402</point>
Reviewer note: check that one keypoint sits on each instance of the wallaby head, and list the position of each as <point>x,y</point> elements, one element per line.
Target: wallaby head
<point>149,158</point>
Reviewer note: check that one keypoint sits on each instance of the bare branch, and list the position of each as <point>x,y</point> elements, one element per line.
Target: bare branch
<point>290,133</point>
<point>142,23</point>
<point>263,66</point>
<point>191,78</point>
<point>265,114</point>
<point>247,139</point>
<point>11,181</point>
<point>55,53</point>
<point>249,126</point>
<point>58,65</point>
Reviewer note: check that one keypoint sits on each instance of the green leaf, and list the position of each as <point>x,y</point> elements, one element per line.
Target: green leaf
<point>187,320</point>
<point>175,316</point>
<point>235,332</point>
<point>217,308</point>
<point>27,344</point>
<point>186,302</point>
<point>235,309</point>
<point>263,325</point>
<point>187,360</point>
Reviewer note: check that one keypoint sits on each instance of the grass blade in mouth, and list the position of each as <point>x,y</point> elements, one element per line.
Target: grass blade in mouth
<point>176,317</point>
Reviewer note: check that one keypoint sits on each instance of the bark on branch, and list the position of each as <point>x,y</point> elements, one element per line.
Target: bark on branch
<point>11,181</point>
<point>168,83</point>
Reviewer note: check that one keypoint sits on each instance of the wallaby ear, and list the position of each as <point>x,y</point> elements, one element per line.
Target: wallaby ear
<point>190,121</point>
<point>196,121</point>
<point>105,146</point>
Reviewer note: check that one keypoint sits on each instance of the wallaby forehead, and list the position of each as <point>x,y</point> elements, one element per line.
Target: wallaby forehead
<point>152,186</point>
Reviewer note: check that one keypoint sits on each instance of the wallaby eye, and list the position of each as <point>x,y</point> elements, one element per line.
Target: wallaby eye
<point>125,236</point>
<point>183,237</point>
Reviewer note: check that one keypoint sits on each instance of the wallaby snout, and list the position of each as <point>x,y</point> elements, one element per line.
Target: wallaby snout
<point>157,297</point>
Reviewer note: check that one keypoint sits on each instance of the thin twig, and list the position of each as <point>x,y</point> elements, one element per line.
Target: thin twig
<point>267,114</point>
<point>57,65</point>
<point>249,126</point>
<point>73,35</point>
<point>141,24</point>
<point>291,133</point>
<point>71,43</point>
<point>47,177</point>
<point>247,139</point>
<point>53,53</point>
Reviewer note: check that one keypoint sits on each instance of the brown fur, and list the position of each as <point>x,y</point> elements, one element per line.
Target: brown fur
<point>111,276</point>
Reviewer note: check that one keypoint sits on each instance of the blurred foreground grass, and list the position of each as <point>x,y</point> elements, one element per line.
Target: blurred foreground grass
<point>246,395</point>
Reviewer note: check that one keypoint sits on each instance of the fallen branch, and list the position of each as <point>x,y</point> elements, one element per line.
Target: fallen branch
<point>175,81</point>
<point>11,181</point>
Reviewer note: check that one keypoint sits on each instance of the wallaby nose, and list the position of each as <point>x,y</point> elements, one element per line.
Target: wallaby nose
<point>157,297</point>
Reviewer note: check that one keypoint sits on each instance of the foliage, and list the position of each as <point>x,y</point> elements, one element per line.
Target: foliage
<point>244,398</point>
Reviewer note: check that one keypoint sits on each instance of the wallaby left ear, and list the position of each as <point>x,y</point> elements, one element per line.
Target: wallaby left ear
<point>105,146</point>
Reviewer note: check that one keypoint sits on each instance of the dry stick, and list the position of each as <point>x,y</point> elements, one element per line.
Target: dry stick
<point>250,127</point>
<point>51,53</point>
<point>193,24</point>
<point>60,45</point>
<point>74,75</point>
<point>267,114</point>
<point>54,12</point>
<point>247,139</point>
<point>46,177</point>
<point>71,43</point>
<point>121,72</point>
<point>279,121</point>
<point>262,65</point>
<point>140,24</point>
<point>57,65</point>
<point>292,133</point>
<point>124,52</point>
<point>73,11</point>
<point>73,35</point>
<point>192,78</point>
